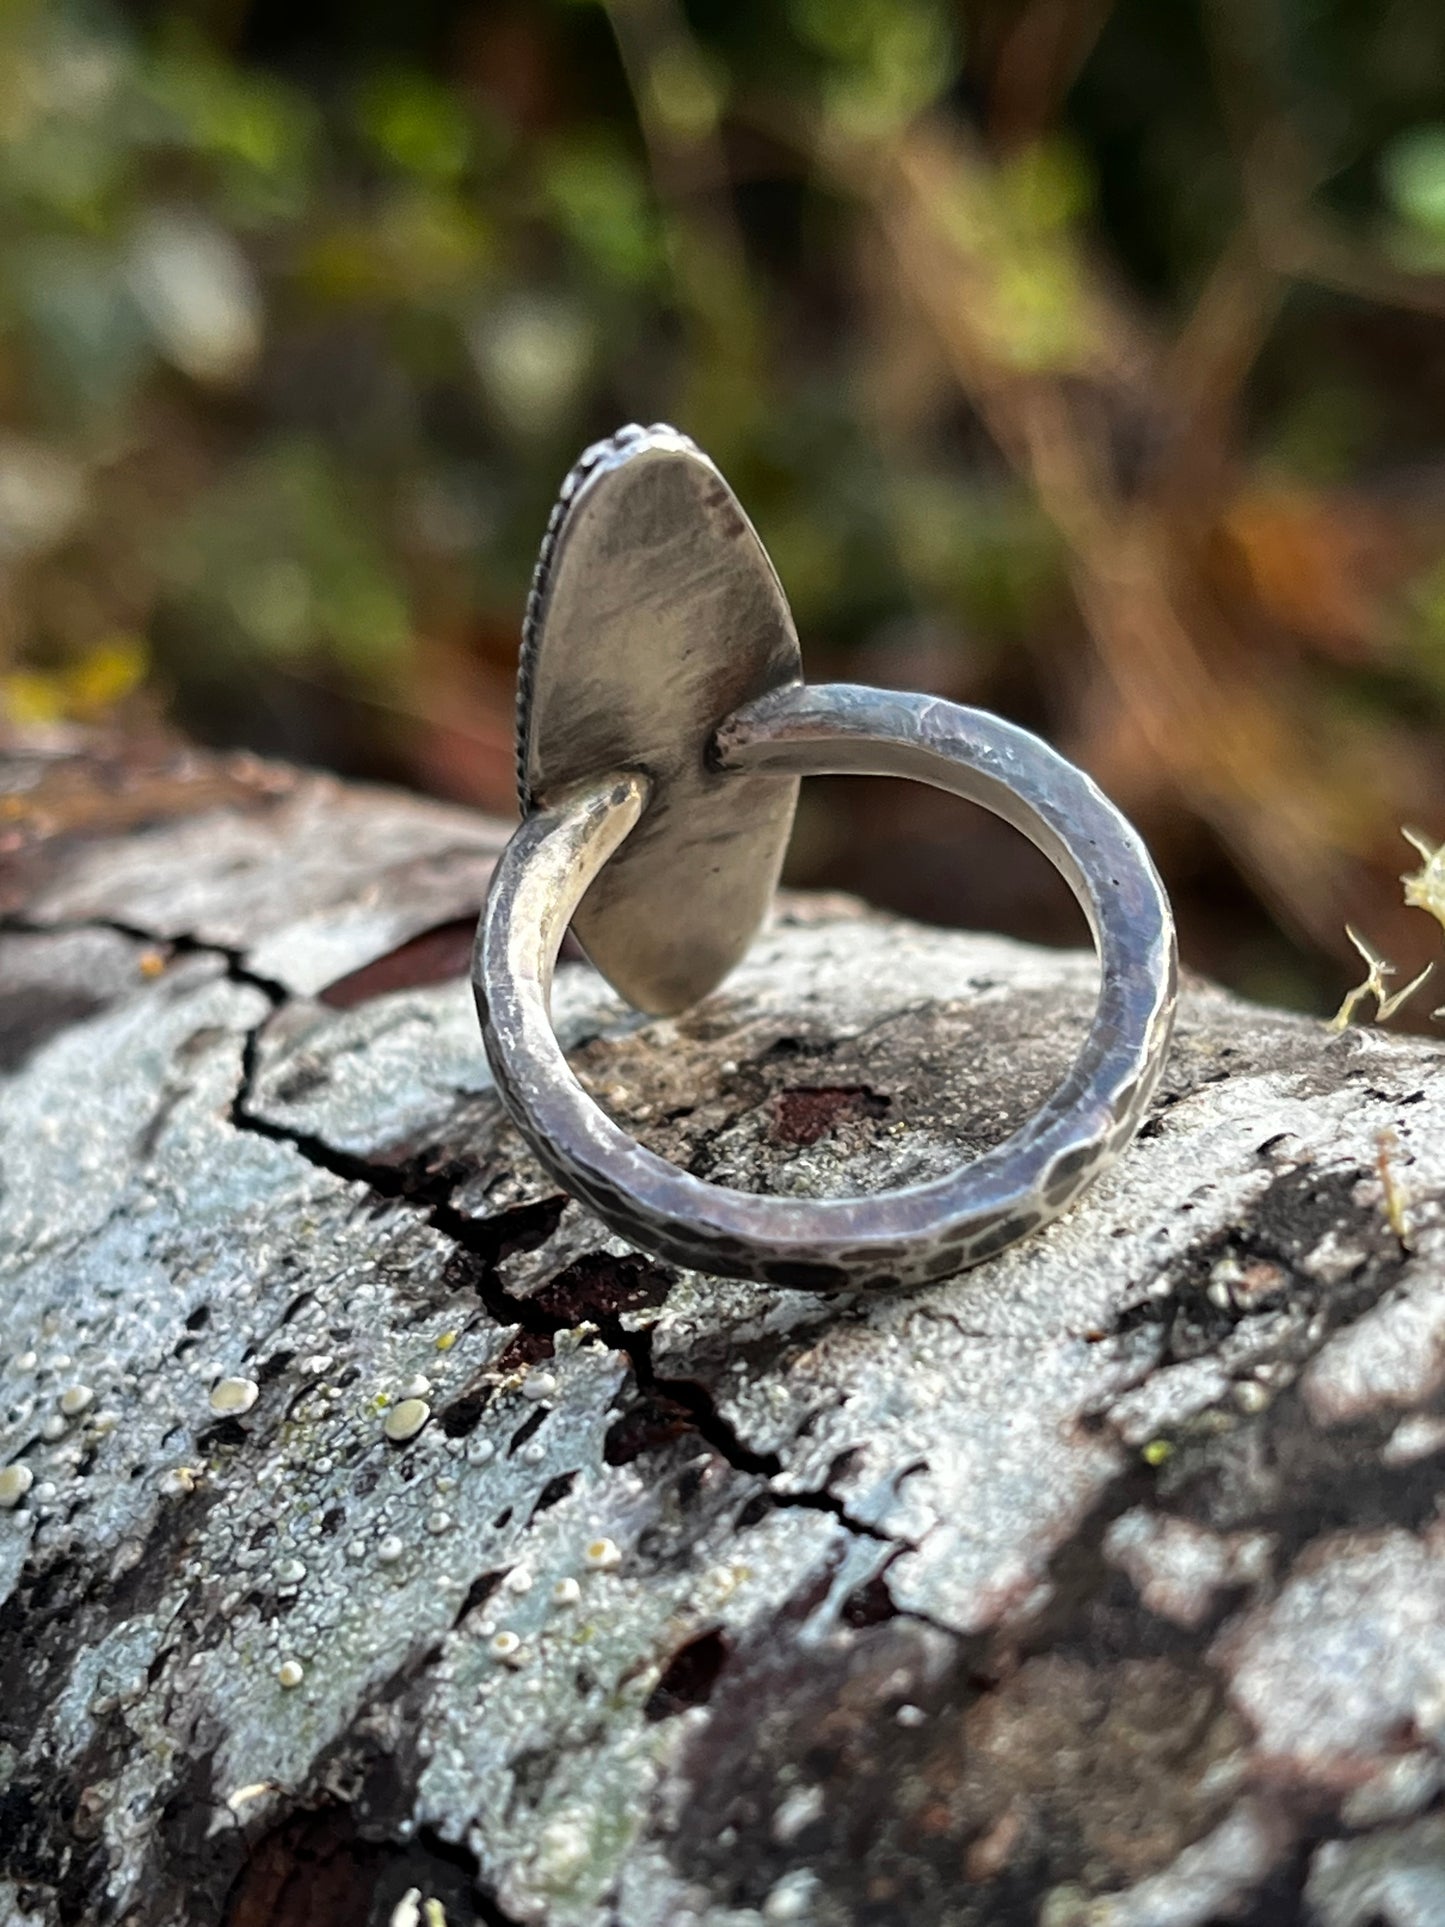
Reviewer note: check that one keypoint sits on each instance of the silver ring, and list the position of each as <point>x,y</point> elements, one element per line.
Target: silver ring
<point>655,595</point>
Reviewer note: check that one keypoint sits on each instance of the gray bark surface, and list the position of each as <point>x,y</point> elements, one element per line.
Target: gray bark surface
<point>1101,1587</point>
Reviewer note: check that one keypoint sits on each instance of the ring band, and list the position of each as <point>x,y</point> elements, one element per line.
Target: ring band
<point>904,1237</point>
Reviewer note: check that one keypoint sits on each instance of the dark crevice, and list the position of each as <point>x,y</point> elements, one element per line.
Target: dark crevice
<point>603,1286</point>
<point>338,1864</point>
<point>529,1426</point>
<point>646,1425</point>
<point>689,1676</point>
<point>804,1113</point>
<point>585,1288</point>
<point>488,1240</point>
<point>870,1604</point>
<point>528,1348</point>
<point>553,1493</point>
<point>182,944</point>
<point>1268,1249</point>
<point>478,1593</point>
<point>452,1853</point>
<point>826,1501</point>
<point>693,1401</point>
<point>460,1418</point>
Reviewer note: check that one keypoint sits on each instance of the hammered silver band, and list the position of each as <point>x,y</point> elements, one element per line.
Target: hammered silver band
<point>900,1238</point>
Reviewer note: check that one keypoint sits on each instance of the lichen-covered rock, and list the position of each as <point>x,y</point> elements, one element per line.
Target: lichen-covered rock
<point>515,1572</point>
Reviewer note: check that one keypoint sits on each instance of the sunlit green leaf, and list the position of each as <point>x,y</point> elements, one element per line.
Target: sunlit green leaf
<point>1413,172</point>
<point>256,133</point>
<point>889,58</point>
<point>420,126</point>
<point>687,90</point>
<point>284,552</point>
<point>599,197</point>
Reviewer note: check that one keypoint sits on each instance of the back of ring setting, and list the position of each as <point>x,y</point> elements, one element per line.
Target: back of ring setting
<point>662,729</point>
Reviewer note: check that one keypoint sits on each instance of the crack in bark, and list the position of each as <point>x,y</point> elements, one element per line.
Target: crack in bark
<point>1082,1615</point>
<point>182,944</point>
<point>431,1193</point>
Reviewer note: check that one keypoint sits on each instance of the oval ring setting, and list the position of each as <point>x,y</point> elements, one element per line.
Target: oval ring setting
<point>662,729</point>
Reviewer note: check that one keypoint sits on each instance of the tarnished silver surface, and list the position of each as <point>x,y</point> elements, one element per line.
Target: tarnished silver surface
<point>662,727</point>
<point>904,1237</point>
<point>655,612</point>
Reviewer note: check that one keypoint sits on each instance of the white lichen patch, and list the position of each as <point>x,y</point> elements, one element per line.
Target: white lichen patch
<point>797,1811</point>
<point>230,1397</point>
<point>404,1421</point>
<point>245,1796</point>
<point>501,1695</point>
<point>1417,1437</point>
<point>793,1898</point>
<point>1391,1358</point>
<point>15,1482</point>
<point>1178,1567</point>
<point>1350,1655</point>
<point>1396,1877</point>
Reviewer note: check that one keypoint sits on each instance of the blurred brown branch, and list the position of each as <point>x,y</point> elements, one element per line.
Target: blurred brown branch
<point>1225,721</point>
<point>1077,359</point>
<point>1131,441</point>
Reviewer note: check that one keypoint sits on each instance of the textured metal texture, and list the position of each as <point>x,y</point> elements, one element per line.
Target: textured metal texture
<point>905,1237</point>
<point>655,612</point>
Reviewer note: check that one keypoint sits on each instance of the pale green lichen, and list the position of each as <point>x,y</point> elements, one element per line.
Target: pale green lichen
<point>1425,887</point>
<point>1378,970</point>
<point>1424,890</point>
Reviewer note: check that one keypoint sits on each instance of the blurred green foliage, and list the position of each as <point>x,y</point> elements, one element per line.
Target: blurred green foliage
<point>303,313</point>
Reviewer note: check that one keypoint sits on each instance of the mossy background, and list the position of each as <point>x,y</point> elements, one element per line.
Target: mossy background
<point>1085,361</point>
